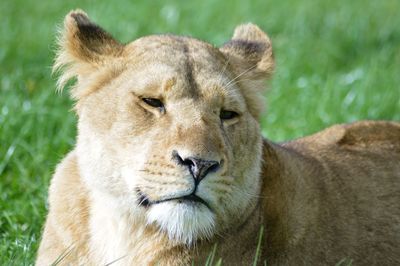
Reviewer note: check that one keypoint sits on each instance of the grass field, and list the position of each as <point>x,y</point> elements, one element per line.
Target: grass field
<point>337,61</point>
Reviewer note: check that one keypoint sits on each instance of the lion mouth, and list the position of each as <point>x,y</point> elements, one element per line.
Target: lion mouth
<point>191,198</point>
<point>144,201</point>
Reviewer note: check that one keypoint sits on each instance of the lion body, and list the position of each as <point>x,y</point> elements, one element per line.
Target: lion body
<point>336,196</point>
<point>170,163</point>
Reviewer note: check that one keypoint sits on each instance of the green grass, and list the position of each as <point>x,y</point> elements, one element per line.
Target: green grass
<point>337,61</point>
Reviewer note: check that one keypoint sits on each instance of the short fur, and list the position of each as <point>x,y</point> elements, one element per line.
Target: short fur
<point>117,197</point>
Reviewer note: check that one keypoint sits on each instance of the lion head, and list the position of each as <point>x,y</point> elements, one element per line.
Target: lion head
<point>168,126</point>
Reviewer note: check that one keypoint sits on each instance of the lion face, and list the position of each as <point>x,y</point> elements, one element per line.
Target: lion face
<point>168,125</point>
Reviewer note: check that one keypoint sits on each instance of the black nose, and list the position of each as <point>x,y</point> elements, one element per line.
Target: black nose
<point>199,168</point>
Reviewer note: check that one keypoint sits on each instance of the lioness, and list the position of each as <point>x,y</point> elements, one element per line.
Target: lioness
<point>170,163</point>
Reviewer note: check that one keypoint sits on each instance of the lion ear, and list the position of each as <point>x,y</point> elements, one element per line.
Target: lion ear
<point>83,47</point>
<point>250,53</point>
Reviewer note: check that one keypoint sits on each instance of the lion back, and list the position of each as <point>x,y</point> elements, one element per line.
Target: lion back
<point>371,134</point>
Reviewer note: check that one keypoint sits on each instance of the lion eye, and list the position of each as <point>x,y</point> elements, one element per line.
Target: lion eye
<point>226,115</point>
<point>156,103</point>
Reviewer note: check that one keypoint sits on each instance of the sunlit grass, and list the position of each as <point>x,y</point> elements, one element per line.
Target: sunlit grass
<point>337,61</point>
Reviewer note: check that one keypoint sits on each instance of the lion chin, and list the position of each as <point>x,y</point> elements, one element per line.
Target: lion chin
<point>184,221</point>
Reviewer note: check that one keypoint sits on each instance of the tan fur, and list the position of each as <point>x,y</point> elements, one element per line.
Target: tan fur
<point>322,199</point>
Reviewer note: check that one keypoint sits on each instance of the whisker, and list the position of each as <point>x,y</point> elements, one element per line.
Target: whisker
<point>240,80</point>
<point>241,74</point>
<point>224,68</point>
<point>220,74</point>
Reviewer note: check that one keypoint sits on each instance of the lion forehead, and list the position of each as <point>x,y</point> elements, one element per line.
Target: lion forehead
<point>183,54</point>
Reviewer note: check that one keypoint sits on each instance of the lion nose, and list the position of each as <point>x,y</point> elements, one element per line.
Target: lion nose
<point>198,168</point>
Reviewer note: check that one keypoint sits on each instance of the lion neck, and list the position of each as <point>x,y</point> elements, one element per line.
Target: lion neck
<point>287,208</point>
